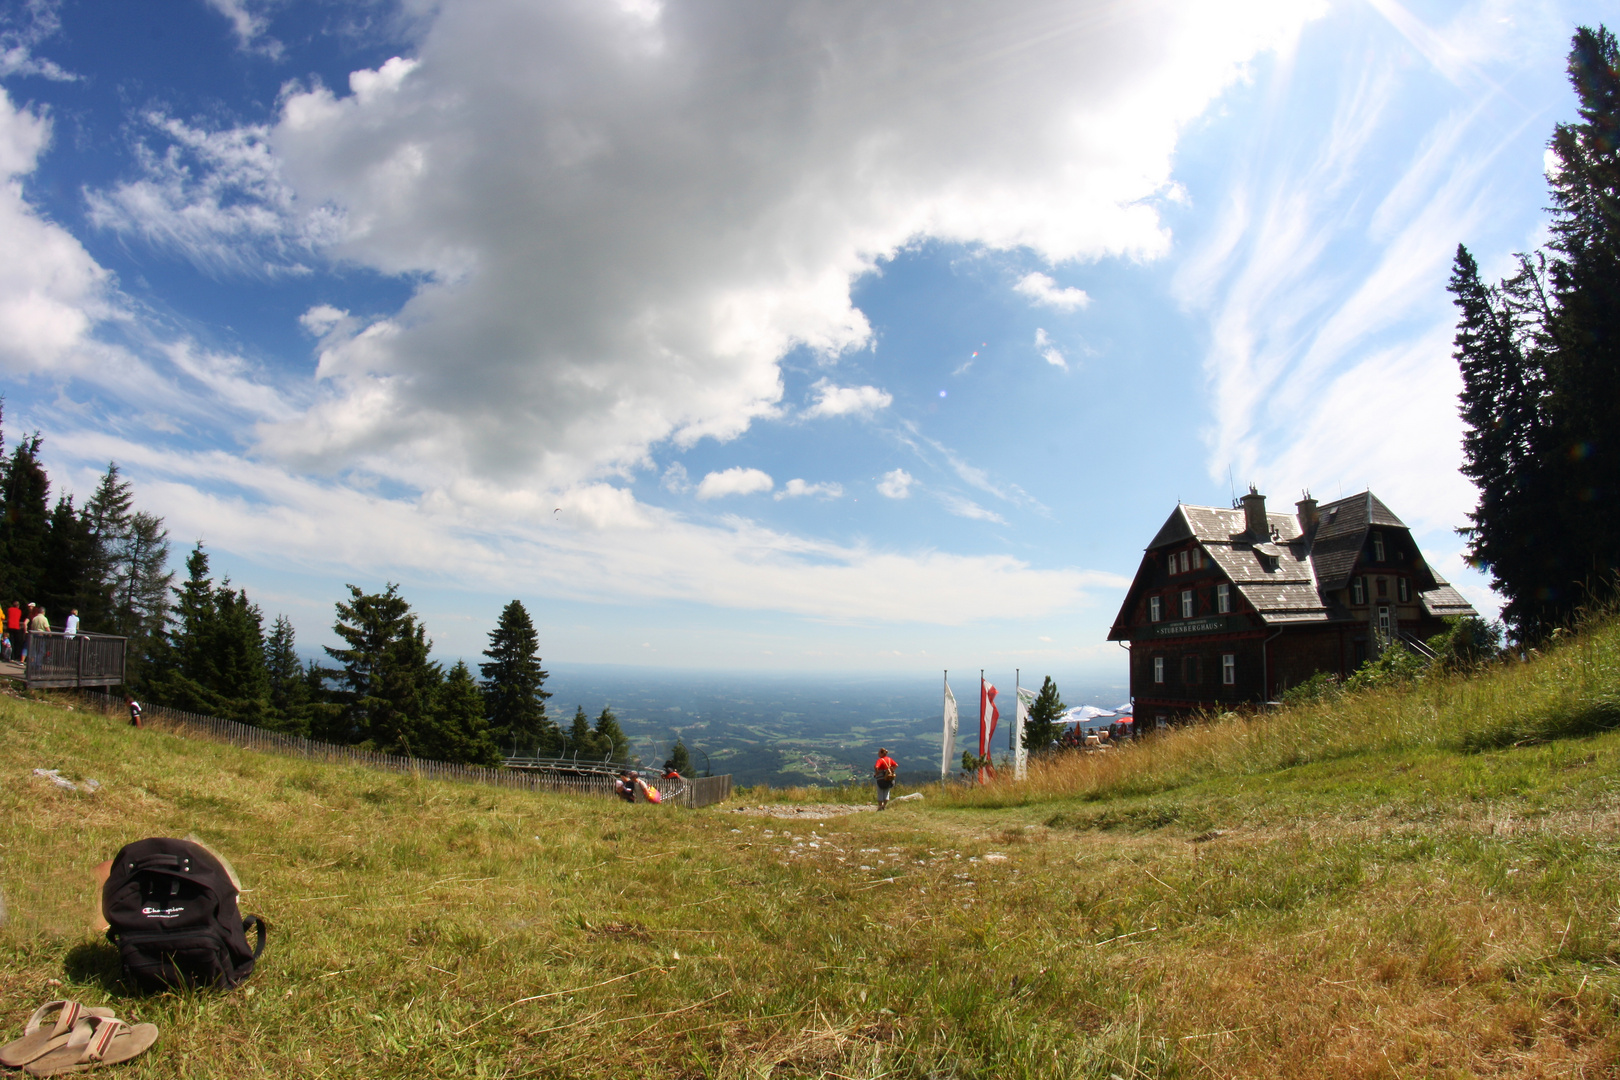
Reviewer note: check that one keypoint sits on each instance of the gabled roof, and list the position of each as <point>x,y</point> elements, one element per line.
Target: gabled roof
<point>1341,533</point>
<point>1287,575</point>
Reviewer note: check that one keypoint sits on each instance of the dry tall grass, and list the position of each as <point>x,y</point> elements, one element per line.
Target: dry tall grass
<point>1571,688</point>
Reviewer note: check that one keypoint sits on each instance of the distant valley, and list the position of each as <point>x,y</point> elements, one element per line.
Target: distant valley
<point>788,729</point>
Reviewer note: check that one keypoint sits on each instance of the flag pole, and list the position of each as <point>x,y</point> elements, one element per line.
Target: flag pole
<point>1012,729</point>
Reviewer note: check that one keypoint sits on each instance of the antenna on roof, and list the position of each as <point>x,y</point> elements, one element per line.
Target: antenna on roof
<point>1231,483</point>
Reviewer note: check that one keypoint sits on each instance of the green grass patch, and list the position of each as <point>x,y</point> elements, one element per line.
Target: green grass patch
<point>1288,896</point>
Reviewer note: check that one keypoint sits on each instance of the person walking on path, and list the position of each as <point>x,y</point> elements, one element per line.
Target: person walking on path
<point>883,772</point>
<point>134,712</point>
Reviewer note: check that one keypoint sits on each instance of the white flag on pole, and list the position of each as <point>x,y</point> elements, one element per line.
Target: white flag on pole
<point>1026,698</point>
<point>949,746</point>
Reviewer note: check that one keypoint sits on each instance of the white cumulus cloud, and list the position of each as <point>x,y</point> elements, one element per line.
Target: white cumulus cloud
<point>1044,291</point>
<point>618,218</point>
<point>896,484</point>
<point>834,400</point>
<point>734,481</point>
<point>797,489</point>
<point>52,293</point>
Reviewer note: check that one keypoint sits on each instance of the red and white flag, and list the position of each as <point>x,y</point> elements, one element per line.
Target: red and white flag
<point>988,715</point>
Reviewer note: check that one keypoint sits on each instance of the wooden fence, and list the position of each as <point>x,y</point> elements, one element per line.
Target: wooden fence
<point>703,791</point>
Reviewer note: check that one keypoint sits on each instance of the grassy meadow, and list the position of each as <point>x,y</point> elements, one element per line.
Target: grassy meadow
<point>1418,882</point>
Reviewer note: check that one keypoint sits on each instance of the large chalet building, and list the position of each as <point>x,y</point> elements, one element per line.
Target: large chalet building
<point>1235,606</point>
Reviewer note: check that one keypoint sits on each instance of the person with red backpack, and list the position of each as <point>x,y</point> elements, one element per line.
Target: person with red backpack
<point>883,771</point>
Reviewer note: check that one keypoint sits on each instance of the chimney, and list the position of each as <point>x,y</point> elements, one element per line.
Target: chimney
<point>1254,514</point>
<point>1307,513</point>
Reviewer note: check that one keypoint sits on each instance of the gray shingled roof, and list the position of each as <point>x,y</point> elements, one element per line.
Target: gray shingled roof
<point>1305,571</point>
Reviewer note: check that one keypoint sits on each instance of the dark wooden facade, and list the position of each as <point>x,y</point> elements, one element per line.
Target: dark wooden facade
<point>1234,606</point>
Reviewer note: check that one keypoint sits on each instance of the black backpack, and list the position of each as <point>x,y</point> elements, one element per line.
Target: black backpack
<point>171,910</point>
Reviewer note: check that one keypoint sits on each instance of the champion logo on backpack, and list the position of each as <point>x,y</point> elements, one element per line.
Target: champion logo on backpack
<point>171,910</point>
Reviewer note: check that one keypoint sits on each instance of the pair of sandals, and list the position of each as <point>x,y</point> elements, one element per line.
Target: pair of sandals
<point>80,1038</point>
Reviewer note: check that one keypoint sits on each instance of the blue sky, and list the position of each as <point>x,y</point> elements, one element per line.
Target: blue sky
<point>823,336</point>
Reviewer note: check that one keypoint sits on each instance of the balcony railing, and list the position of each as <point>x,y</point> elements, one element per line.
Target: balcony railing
<point>56,660</point>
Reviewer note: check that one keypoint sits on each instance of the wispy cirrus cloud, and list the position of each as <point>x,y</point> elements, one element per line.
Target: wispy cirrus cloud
<point>216,198</point>
<point>23,28</point>
<point>1323,279</point>
<point>1049,351</point>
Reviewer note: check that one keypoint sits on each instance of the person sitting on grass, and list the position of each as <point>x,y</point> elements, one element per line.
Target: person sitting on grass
<point>630,784</point>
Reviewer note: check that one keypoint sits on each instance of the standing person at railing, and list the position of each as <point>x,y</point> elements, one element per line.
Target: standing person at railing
<point>71,627</point>
<point>39,624</point>
<point>14,621</point>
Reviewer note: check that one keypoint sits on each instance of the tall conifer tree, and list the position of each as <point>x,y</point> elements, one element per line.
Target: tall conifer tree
<point>386,684</point>
<point>514,686</point>
<point>1540,360</point>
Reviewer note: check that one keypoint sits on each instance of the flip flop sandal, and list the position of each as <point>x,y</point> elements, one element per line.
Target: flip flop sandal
<point>38,1040</point>
<point>96,1040</point>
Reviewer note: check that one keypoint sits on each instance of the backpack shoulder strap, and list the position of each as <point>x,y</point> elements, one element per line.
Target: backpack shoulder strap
<point>253,922</point>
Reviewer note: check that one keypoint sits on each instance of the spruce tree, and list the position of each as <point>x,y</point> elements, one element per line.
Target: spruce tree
<point>581,740</point>
<point>610,739</point>
<point>386,684</point>
<point>66,564</point>
<point>1540,360</point>
<point>106,519</point>
<point>1584,277</point>
<point>680,759</point>
<point>514,687</point>
<point>214,662</point>
<point>287,680</point>
<point>1041,728</point>
<point>26,492</point>
<point>141,581</point>
<point>460,731</point>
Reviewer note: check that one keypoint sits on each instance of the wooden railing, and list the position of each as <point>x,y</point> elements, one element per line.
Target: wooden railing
<point>700,792</point>
<point>63,660</point>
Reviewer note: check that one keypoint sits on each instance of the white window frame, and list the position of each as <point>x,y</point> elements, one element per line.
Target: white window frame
<point>1158,671</point>
<point>1358,590</point>
<point>1155,609</point>
<point>1186,603</point>
<point>1223,598</point>
<point>1378,547</point>
<point>1384,623</point>
<point>1198,558</point>
<point>1403,589</point>
<point>1228,669</point>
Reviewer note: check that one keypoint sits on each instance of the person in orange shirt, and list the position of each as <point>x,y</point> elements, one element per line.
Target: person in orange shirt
<point>883,772</point>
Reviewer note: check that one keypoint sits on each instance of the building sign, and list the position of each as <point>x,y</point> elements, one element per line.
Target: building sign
<point>1210,624</point>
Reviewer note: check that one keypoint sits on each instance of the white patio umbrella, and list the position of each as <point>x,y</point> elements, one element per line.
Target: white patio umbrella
<point>1081,713</point>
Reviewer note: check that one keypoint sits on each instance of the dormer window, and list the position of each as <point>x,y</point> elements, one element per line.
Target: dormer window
<point>1378,547</point>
